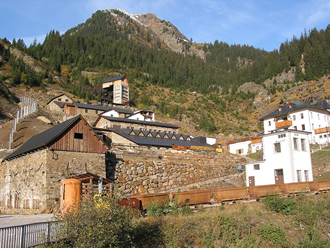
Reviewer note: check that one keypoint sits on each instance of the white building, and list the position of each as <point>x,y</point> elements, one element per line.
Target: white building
<point>287,159</point>
<point>300,116</point>
<point>245,147</point>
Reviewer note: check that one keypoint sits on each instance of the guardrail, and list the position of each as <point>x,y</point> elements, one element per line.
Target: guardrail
<point>29,235</point>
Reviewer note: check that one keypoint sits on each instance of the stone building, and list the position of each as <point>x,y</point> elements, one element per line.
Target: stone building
<point>30,176</point>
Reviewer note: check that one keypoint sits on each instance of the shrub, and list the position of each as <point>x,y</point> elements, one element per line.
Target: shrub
<point>280,204</point>
<point>273,233</point>
<point>102,223</point>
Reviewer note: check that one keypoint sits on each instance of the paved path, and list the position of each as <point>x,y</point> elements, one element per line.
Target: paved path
<point>17,220</point>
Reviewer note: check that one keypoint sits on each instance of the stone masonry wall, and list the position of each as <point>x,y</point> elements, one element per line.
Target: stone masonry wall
<point>32,183</point>
<point>152,170</point>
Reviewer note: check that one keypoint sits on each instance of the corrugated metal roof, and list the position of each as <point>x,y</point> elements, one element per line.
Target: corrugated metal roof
<point>156,141</point>
<point>108,80</point>
<point>148,123</point>
<point>42,139</point>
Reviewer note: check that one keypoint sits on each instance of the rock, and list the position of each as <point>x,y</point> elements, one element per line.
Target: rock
<point>44,119</point>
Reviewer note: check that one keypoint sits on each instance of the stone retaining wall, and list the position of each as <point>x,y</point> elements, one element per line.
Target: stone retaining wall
<point>152,170</point>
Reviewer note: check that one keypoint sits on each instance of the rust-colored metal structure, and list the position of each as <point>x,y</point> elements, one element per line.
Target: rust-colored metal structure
<point>233,194</point>
<point>70,194</point>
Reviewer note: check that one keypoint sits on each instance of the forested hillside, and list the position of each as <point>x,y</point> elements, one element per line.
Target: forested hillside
<point>203,91</point>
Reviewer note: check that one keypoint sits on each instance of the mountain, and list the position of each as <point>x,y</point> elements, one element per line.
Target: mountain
<point>207,88</point>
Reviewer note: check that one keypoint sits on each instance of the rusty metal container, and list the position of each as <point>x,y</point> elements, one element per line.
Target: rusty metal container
<point>230,194</point>
<point>256,192</point>
<point>146,199</point>
<point>70,194</point>
<point>291,188</point>
<point>193,197</point>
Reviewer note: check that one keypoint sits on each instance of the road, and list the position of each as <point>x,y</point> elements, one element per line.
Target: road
<point>16,220</point>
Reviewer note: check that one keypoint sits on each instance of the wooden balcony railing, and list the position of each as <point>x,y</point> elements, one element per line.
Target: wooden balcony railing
<point>322,130</point>
<point>283,124</point>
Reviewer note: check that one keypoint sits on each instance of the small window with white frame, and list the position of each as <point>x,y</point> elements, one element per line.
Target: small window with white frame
<point>303,145</point>
<point>256,166</point>
<point>306,175</point>
<point>294,117</point>
<point>299,175</point>
<point>269,123</point>
<point>277,147</point>
<point>302,116</point>
<point>295,143</point>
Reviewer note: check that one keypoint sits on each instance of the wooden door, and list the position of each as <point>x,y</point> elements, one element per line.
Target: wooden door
<point>279,179</point>
<point>251,181</point>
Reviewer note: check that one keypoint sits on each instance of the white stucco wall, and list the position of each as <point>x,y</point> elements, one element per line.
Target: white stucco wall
<point>240,145</point>
<point>289,159</point>
<point>111,113</point>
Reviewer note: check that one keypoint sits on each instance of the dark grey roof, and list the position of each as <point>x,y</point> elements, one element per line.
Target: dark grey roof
<point>60,104</point>
<point>323,105</point>
<point>90,106</point>
<point>149,123</point>
<point>156,141</point>
<point>113,79</point>
<point>42,139</point>
<point>122,111</point>
<point>69,104</point>
<point>286,110</point>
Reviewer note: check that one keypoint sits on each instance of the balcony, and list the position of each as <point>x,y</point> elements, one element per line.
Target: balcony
<point>283,124</point>
<point>322,130</point>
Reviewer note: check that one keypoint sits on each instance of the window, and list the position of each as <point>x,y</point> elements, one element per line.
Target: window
<point>306,176</point>
<point>303,127</point>
<point>295,143</point>
<point>86,111</point>
<point>311,115</point>
<point>269,123</point>
<point>312,126</point>
<point>96,111</point>
<point>302,116</point>
<point>318,116</point>
<point>295,127</point>
<point>320,136</point>
<point>239,151</point>
<point>256,166</point>
<point>303,148</point>
<point>277,147</point>
<point>299,175</point>
<point>294,117</point>
<point>59,99</point>
<point>78,136</point>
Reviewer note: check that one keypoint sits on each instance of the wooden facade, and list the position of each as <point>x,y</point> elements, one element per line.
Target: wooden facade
<point>70,109</point>
<point>79,137</point>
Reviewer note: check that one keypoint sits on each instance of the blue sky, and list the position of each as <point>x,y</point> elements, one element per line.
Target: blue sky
<point>264,24</point>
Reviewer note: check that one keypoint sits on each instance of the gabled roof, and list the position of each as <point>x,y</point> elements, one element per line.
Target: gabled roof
<point>322,104</point>
<point>57,97</point>
<point>44,139</point>
<point>286,110</point>
<point>108,80</point>
<point>149,123</point>
<point>155,141</point>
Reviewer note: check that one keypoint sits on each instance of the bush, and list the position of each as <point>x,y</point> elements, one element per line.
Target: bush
<point>273,233</point>
<point>102,223</point>
<point>280,204</point>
